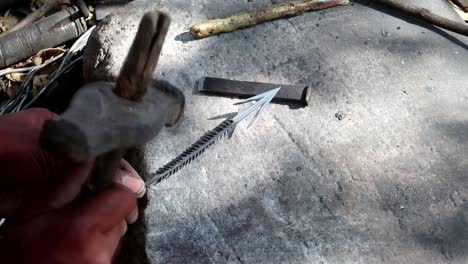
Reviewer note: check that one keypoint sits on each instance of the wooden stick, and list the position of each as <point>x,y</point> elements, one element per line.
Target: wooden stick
<point>133,83</point>
<point>427,15</point>
<point>248,19</point>
<point>137,71</point>
<point>463,4</point>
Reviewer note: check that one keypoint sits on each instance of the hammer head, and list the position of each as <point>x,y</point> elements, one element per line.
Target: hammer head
<point>99,121</point>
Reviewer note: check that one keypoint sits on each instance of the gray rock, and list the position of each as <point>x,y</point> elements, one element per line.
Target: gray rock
<point>389,185</point>
<point>109,44</point>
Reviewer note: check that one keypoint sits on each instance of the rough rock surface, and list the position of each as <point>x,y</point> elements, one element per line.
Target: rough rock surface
<point>386,184</point>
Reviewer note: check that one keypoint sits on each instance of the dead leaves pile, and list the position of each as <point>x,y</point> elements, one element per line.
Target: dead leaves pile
<point>11,83</point>
<point>7,21</point>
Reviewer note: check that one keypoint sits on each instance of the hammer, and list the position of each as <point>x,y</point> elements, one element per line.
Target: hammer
<point>106,118</point>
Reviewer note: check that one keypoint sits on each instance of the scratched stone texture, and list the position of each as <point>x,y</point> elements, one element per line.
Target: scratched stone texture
<point>386,184</point>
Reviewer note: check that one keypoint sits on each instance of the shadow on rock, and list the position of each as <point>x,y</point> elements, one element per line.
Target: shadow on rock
<point>185,37</point>
<point>457,131</point>
<point>449,236</point>
<point>286,220</point>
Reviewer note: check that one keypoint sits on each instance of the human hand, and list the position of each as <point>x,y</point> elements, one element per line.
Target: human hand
<point>47,220</point>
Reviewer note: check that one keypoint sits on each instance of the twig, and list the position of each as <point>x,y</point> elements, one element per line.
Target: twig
<point>248,19</point>
<point>427,15</point>
<point>13,70</point>
<point>463,4</point>
<point>39,13</point>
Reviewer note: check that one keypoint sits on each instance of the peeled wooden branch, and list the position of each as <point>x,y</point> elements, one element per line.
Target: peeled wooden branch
<point>427,15</point>
<point>248,19</point>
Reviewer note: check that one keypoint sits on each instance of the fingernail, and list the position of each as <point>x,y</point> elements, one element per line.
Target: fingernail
<point>124,228</point>
<point>142,191</point>
<point>133,217</point>
<point>136,185</point>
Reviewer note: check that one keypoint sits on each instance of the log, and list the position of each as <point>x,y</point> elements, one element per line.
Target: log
<point>427,15</point>
<point>248,19</point>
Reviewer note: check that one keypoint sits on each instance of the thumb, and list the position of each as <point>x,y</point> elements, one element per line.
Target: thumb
<point>106,210</point>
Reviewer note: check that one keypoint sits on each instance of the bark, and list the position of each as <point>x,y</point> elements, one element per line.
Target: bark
<point>248,19</point>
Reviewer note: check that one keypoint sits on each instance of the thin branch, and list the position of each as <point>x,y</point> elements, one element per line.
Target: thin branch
<point>427,15</point>
<point>463,4</point>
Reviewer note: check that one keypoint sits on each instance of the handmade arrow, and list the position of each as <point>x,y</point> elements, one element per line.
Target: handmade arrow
<point>211,137</point>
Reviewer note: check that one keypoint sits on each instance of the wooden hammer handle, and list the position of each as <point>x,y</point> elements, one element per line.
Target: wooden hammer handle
<point>137,72</point>
<point>132,84</point>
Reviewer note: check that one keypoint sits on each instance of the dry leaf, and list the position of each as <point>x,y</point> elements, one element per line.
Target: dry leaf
<point>16,76</point>
<point>8,87</point>
<point>12,89</point>
<point>39,81</point>
<point>45,54</point>
<point>7,21</point>
<point>3,84</point>
<point>22,64</point>
<point>41,57</point>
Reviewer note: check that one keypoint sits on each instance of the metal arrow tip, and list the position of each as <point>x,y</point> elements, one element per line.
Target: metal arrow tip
<point>262,101</point>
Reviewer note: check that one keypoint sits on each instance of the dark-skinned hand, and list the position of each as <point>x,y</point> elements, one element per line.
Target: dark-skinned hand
<point>47,221</point>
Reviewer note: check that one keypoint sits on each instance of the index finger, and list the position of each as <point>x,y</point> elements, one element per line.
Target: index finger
<point>22,159</point>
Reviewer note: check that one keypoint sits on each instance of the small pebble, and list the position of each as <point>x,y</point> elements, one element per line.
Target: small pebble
<point>340,115</point>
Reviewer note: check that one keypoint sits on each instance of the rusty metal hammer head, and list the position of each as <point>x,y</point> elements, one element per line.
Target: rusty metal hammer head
<point>105,116</point>
<point>99,121</point>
